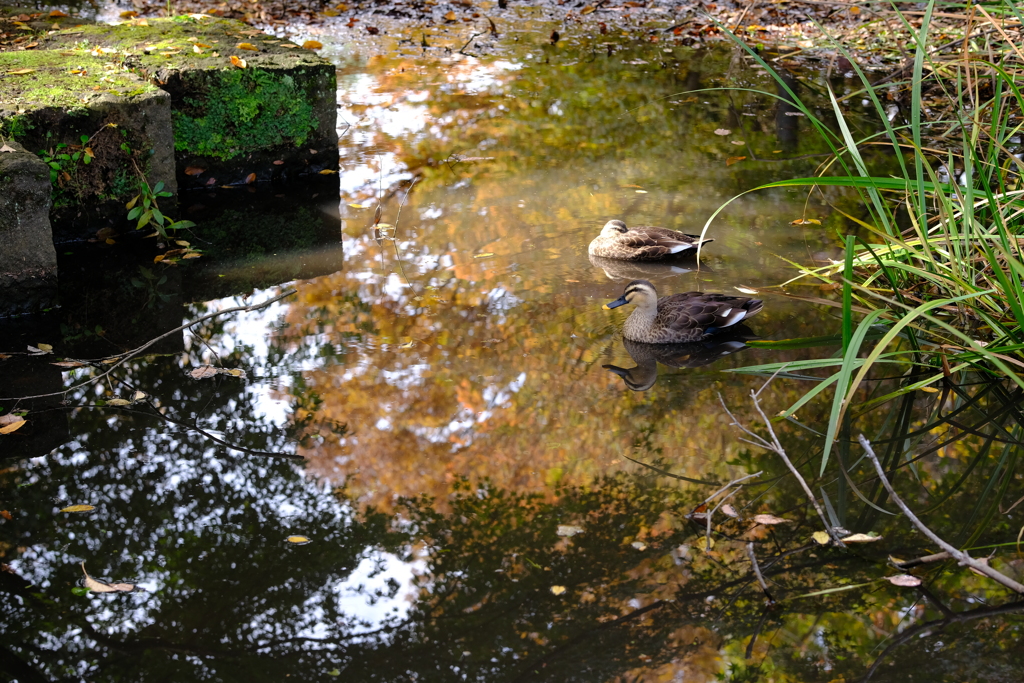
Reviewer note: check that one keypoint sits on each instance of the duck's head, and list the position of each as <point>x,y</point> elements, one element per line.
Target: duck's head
<point>639,292</point>
<point>614,227</point>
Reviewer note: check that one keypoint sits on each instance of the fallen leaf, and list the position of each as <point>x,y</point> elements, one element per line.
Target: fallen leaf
<point>745,290</point>
<point>723,131</point>
<point>905,580</point>
<point>330,13</point>
<point>820,537</point>
<point>729,511</point>
<point>16,423</point>
<point>118,402</point>
<point>78,508</point>
<point>247,46</point>
<point>407,345</point>
<point>484,255</point>
<point>234,372</point>
<point>569,530</point>
<point>706,544</point>
<point>738,143</point>
<point>557,590</point>
<point>57,13</point>
<point>203,371</point>
<point>7,148</point>
<point>930,390</point>
<point>100,587</point>
<point>68,364</point>
<point>139,395</point>
<point>639,545</point>
<point>289,45</point>
<point>861,538</point>
<point>769,520</point>
<point>194,170</point>
<point>805,221</point>
<point>250,179</point>
<point>450,16</point>
<point>587,10</point>
<point>182,243</point>
<point>130,14</point>
<point>360,206</point>
<point>45,348</point>
<point>298,540</point>
<point>20,72</point>
<point>327,171</point>
<point>312,45</point>
<point>240,63</point>
<point>278,162</point>
<point>733,160</point>
<point>6,515</point>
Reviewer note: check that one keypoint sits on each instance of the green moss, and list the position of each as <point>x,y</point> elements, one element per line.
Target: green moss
<point>61,80</point>
<point>241,111</point>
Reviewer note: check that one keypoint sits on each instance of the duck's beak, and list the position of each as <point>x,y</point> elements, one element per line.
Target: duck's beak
<point>621,301</point>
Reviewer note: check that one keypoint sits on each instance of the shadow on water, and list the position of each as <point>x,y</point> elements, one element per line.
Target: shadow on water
<point>482,500</point>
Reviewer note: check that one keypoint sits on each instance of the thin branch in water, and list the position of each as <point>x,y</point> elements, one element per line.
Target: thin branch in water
<point>394,238</point>
<point>957,554</point>
<point>757,572</point>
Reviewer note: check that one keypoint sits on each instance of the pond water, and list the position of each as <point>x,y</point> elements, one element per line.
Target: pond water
<point>476,496</point>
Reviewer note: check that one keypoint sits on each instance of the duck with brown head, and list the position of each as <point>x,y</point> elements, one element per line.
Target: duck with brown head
<point>680,317</point>
<point>642,243</point>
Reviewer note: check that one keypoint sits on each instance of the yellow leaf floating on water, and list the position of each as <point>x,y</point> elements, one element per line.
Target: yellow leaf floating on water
<point>557,590</point>
<point>312,45</point>
<point>820,537</point>
<point>100,587</point>
<point>12,424</point>
<point>298,540</point>
<point>861,538</point>
<point>78,508</point>
<point>769,520</point>
<point>327,171</point>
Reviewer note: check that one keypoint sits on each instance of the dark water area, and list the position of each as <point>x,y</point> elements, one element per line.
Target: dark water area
<point>425,472</point>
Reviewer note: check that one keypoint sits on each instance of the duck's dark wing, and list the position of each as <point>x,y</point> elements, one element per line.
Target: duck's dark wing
<point>694,310</point>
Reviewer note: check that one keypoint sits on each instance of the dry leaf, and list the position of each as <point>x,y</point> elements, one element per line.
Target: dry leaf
<point>7,148</point>
<point>733,160</point>
<point>861,538</point>
<point>484,255</point>
<point>569,530</point>
<point>639,545</point>
<point>769,520</point>
<point>450,16</point>
<point>100,587</point>
<point>587,10</point>
<point>250,179</point>
<point>78,508</point>
<point>278,162</point>
<point>805,221</point>
<point>312,45</point>
<point>118,402</point>
<point>360,206</point>
<point>68,364</point>
<point>327,171</point>
<point>194,170</point>
<point>203,371</point>
<point>12,424</point>
<point>905,580</point>
<point>723,131</point>
<point>729,511</point>
<point>555,590</point>
<point>298,540</point>
<point>6,515</point>
<point>738,143</point>
<point>820,537</point>
<point>234,372</point>
<point>57,13</point>
<point>139,395</point>
<point>247,46</point>
<point>182,243</point>
<point>930,390</point>
<point>20,72</point>
<point>240,63</point>
<point>745,290</point>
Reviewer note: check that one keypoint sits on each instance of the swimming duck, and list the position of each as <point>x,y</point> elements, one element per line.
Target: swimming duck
<point>642,242</point>
<point>680,317</point>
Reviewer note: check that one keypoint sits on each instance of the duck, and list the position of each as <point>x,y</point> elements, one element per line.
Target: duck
<point>680,318</point>
<point>687,355</point>
<point>642,242</point>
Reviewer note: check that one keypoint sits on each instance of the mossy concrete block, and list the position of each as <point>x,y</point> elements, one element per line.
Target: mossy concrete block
<point>28,261</point>
<point>243,102</point>
<point>99,128</point>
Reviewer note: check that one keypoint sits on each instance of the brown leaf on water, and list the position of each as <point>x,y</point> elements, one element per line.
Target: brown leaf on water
<point>768,520</point>
<point>733,160</point>
<point>805,221</point>
<point>250,179</point>
<point>278,162</point>
<point>312,45</point>
<point>6,515</point>
<point>56,13</point>
<point>11,423</point>
<point>450,16</point>
<point>139,395</point>
<point>194,170</point>
<point>68,364</point>
<point>729,511</point>
<point>723,131</point>
<point>118,402</point>
<point>78,508</point>
<point>203,371</point>
<point>100,587</point>
<point>905,580</point>
<point>247,46</point>
<point>861,538</point>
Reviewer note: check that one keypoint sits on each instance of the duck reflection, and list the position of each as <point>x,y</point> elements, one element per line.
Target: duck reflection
<point>639,270</point>
<point>691,355</point>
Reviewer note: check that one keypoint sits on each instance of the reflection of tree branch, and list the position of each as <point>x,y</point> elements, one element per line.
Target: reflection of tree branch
<point>917,631</point>
<point>121,358</point>
<point>959,555</point>
<point>196,428</point>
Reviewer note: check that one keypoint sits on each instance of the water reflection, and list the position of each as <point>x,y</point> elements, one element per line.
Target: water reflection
<point>631,270</point>
<point>693,355</point>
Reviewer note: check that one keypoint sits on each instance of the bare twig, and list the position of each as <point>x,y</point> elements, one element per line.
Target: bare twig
<point>959,555</point>
<point>394,238</point>
<point>776,447</point>
<point>927,559</point>
<point>134,352</point>
<point>757,571</point>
